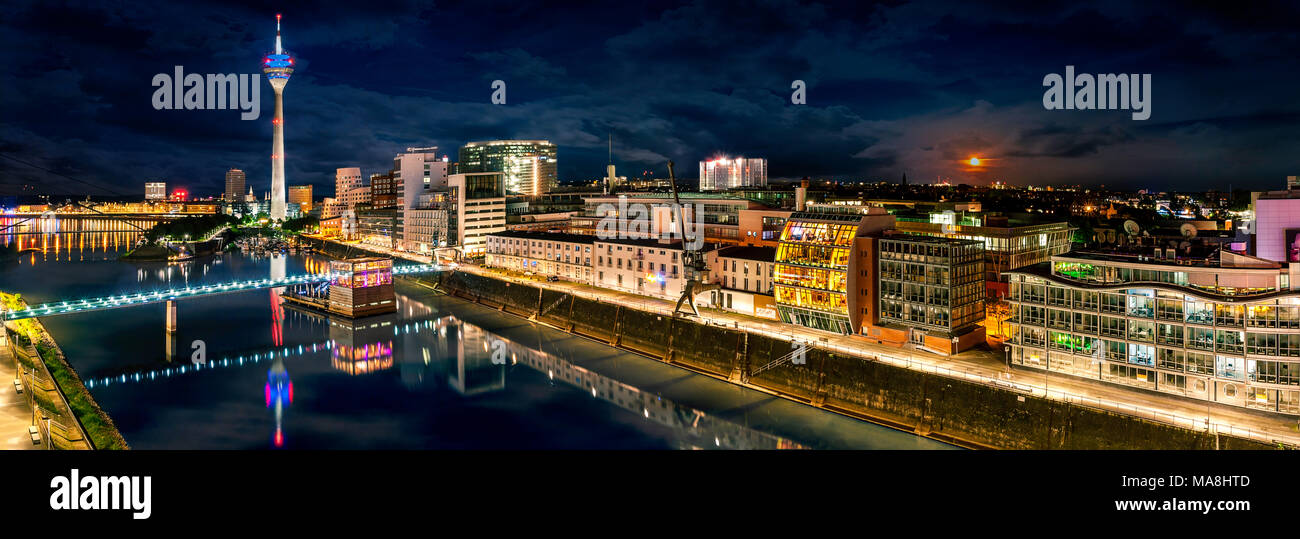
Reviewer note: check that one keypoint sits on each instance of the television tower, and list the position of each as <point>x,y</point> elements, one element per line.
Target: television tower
<point>277,66</point>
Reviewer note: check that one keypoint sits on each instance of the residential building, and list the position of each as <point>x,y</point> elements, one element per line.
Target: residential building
<point>640,266</point>
<point>745,274</point>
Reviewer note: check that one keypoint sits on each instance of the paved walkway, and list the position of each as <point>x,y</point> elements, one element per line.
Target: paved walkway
<point>982,366</point>
<point>15,414</point>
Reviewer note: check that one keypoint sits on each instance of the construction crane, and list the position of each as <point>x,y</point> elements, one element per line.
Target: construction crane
<point>695,266</point>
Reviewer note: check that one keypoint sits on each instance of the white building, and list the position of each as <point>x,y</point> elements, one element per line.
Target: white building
<point>419,171</point>
<point>645,267</point>
<point>155,190</point>
<point>480,208</point>
<point>745,274</point>
<point>725,173</point>
<point>565,256</point>
<point>349,190</point>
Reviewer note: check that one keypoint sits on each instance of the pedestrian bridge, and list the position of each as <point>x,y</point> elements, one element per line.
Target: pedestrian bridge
<point>74,306</point>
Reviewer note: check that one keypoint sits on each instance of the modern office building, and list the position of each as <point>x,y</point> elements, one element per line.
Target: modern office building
<point>431,224</point>
<point>816,274</point>
<point>155,191</point>
<point>529,166</point>
<point>1211,325</point>
<point>1008,244</point>
<point>564,256</point>
<point>278,66</point>
<point>380,227</point>
<point>480,209</point>
<point>300,195</point>
<point>928,292</point>
<point>235,181</point>
<point>727,173</point>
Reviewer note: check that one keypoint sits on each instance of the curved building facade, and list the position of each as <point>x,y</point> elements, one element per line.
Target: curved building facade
<point>1224,328</point>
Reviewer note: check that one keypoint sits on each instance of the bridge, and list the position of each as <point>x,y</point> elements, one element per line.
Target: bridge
<point>74,306</point>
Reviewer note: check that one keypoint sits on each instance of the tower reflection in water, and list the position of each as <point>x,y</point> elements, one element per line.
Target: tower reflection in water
<point>468,359</point>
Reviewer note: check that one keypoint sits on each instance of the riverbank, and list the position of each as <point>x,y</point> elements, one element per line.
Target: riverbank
<point>82,424</point>
<point>958,411</point>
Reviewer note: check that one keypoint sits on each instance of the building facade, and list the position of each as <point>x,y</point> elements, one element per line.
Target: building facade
<point>816,267</point>
<point>1220,327</point>
<point>528,166</point>
<point>745,274</point>
<point>565,256</point>
<point>300,195</point>
<point>640,266</point>
<point>235,181</point>
<point>155,191</point>
<point>931,289</point>
<point>1006,246</point>
<point>480,209</point>
<point>727,173</point>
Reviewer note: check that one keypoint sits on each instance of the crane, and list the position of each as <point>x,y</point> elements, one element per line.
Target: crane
<point>694,265</point>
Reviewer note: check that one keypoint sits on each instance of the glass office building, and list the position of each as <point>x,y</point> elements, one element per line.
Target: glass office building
<point>529,166</point>
<point>931,283</point>
<point>811,274</point>
<point>1223,328</point>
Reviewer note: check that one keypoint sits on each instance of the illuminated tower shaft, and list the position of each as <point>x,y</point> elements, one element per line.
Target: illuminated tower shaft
<point>278,66</point>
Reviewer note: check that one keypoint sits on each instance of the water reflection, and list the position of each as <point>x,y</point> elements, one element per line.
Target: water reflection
<point>465,357</point>
<point>54,238</point>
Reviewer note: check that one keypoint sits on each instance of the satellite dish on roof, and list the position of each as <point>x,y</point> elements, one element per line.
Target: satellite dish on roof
<point>1188,230</point>
<point>1131,228</point>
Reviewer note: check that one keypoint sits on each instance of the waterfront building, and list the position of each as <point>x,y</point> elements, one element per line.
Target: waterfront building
<point>640,266</point>
<point>155,191</point>
<point>431,224</point>
<point>234,186</point>
<point>380,227</point>
<point>278,67</point>
<point>1210,325</point>
<point>727,173</point>
<point>816,267</point>
<point>300,195</point>
<point>564,256</point>
<point>364,287</point>
<point>745,273</point>
<point>528,166</point>
<point>480,209</point>
<point>928,292</point>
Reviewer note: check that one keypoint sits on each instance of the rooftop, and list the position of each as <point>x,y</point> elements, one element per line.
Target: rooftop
<point>546,236</point>
<point>761,254</point>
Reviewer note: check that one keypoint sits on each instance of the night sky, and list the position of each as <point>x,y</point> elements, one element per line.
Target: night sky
<point>893,88</point>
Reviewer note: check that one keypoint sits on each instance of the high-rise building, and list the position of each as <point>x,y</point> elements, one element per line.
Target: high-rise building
<point>529,166</point>
<point>234,185</point>
<point>301,196</point>
<point>480,208</point>
<point>277,66</point>
<point>726,173</point>
<point>419,171</point>
<point>155,190</point>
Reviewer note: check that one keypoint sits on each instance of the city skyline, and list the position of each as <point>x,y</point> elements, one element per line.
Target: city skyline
<point>909,90</point>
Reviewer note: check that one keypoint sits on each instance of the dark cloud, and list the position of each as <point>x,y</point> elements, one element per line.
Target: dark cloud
<point>893,87</point>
